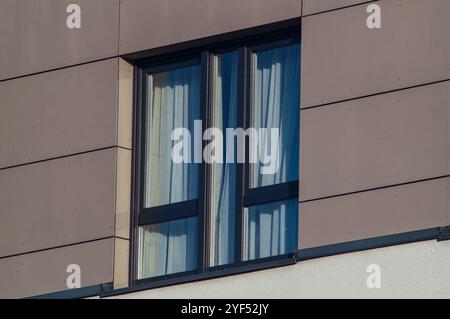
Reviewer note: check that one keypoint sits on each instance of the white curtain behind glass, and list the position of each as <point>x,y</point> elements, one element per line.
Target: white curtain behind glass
<point>223,197</point>
<point>272,228</point>
<point>169,247</point>
<point>173,102</point>
<point>276,104</point>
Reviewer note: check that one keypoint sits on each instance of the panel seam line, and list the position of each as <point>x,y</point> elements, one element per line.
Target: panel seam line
<point>61,157</point>
<point>337,9</point>
<point>62,246</point>
<point>374,94</point>
<point>374,189</point>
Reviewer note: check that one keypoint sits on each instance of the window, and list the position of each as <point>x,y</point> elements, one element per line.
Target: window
<point>223,175</point>
<point>169,232</point>
<point>233,196</point>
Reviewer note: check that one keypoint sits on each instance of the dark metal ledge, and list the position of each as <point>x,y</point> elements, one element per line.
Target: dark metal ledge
<point>366,244</point>
<point>444,233</point>
<point>84,292</point>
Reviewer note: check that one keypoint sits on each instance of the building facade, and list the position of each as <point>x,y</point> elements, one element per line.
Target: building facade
<point>93,205</point>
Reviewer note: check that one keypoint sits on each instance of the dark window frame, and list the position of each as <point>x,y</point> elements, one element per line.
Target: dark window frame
<point>245,42</point>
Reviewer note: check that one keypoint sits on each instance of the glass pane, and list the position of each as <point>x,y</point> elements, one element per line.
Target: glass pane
<point>271,229</point>
<point>169,247</point>
<point>173,102</point>
<point>223,179</point>
<point>276,104</point>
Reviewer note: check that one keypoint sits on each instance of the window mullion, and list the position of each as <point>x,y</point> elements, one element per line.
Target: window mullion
<point>241,167</point>
<point>203,215</point>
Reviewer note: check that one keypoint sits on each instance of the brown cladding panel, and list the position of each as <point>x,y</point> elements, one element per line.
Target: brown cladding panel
<point>373,142</point>
<point>375,213</point>
<point>57,202</point>
<point>150,24</point>
<point>58,113</point>
<point>342,58</point>
<point>45,271</point>
<point>34,36</point>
